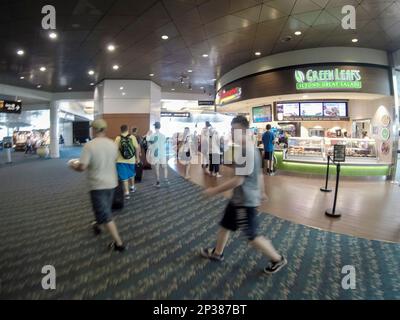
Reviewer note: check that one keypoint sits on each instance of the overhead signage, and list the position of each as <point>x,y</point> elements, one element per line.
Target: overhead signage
<point>206,103</point>
<point>328,79</point>
<point>229,96</point>
<point>10,106</point>
<point>175,114</point>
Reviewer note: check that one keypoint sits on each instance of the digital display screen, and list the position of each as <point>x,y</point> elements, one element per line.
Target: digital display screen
<point>311,109</point>
<point>262,114</point>
<point>335,109</point>
<point>290,109</point>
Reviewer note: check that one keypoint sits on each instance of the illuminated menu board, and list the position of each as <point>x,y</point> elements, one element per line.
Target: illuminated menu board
<point>311,109</point>
<point>335,109</point>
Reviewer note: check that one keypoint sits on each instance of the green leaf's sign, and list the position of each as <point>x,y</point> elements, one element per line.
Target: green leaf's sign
<point>328,79</point>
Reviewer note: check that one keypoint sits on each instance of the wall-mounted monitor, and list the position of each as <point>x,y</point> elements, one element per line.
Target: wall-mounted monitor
<point>262,114</point>
<point>311,109</point>
<point>335,109</point>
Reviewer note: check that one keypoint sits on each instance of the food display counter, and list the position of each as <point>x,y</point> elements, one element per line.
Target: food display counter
<point>309,155</point>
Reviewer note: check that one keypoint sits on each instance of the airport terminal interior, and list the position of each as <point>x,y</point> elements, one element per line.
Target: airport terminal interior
<point>125,127</point>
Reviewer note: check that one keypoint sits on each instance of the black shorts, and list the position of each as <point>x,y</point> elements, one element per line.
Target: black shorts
<point>241,218</point>
<point>268,156</point>
<point>102,201</point>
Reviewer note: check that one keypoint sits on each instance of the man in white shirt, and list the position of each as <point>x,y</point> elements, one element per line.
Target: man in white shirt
<point>98,158</point>
<point>157,154</point>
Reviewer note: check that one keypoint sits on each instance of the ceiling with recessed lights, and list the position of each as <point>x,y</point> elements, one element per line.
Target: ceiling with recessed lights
<point>162,40</point>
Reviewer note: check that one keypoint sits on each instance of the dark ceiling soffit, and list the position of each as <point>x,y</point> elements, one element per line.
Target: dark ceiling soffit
<point>306,66</point>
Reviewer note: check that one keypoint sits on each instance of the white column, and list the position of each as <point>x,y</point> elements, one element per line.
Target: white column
<point>54,130</point>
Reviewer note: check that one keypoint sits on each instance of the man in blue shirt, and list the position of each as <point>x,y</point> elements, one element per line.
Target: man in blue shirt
<point>268,140</point>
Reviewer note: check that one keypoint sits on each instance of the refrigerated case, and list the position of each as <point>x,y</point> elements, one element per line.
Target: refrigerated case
<point>305,149</point>
<point>318,149</point>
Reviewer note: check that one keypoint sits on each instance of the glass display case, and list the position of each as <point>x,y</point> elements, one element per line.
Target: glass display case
<point>305,148</point>
<point>318,150</point>
<point>356,149</point>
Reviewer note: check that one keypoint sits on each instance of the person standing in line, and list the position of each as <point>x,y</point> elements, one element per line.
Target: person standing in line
<point>268,140</point>
<point>248,194</point>
<point>157,155</point>
<point>129,153</point>
<point>185,152</point>
<point>98,159</point>
<point>215,153</point>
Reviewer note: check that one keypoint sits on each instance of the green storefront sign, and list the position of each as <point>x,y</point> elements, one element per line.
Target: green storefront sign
<point>328,79</point>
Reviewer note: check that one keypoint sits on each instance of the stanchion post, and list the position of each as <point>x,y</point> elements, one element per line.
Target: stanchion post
<point>333,213</point>
<point>327,177</point>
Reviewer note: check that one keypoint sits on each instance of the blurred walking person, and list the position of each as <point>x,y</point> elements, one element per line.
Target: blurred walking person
<point>98,159</point>
<point>248,194</point>
<point>157,154</point>
<point>186,152</point>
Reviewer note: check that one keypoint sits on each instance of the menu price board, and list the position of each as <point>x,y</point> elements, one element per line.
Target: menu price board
<point>10,107</point>
<point>335,109</point>
<point>312,111</point>
<point>339,153</point>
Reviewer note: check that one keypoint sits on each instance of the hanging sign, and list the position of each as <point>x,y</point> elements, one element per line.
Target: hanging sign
<point>175,114</point>
<point>10,106</point>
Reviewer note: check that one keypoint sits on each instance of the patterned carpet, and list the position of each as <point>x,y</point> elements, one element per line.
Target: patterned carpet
<point>45,214</point>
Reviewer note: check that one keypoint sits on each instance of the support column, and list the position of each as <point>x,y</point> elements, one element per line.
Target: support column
<point>135,103</point>
<point>54,130</point>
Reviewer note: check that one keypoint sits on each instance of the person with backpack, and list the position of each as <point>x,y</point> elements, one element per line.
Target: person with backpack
<point>129,155</point>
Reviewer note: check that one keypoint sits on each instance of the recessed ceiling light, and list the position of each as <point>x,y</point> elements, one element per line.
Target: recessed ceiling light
<point>69,88</point>
<point>123,93</point>
<point>19,100</point>
<point>116,67</point>
<point>39,86</point>
<point>190,71</point>
<point>53,35</point>
<point>151,74</point>
<point>205,55</point>
<point>92,84</point>
<point>298,33</point>
<point>43,69</point>
<point>22,78</point>
<point>201,88</point>
<point>20,52</point>
<point>111,48</point>
<point>257,53</point>
<point>121,88</point>
<point>91,72</point>
<point>165,37</point>
<point>355,40</point>
<point>172,89</point>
